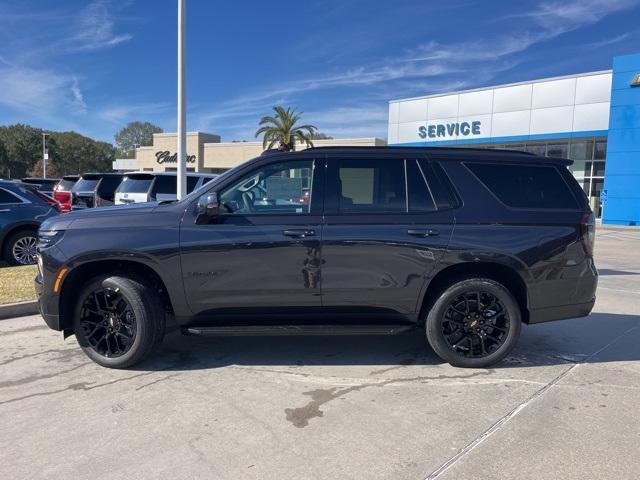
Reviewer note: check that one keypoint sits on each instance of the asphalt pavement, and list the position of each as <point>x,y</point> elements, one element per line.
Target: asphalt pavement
<point>564,405</point>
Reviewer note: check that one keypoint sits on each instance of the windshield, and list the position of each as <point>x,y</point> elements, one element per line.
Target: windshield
<point>137,184</point>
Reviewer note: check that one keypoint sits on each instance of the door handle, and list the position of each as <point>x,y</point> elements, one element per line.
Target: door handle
<point>423,233</point>
<point>5,210</point>
<point>299,233</point>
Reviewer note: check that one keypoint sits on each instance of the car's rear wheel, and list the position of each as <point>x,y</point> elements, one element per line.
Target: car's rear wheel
<point>474,323</point>
<point>20,248</point>
<point>118,321</point>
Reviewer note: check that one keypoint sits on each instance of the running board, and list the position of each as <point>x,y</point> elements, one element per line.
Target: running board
<point>276,330</point>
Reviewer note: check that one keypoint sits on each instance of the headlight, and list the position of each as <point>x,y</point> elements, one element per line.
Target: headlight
<point>48,238</point>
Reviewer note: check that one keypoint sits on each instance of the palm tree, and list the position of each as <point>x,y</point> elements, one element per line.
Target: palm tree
<point>281,129</point>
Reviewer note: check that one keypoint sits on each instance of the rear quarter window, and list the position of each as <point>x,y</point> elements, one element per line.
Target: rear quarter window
<point>526,186</point>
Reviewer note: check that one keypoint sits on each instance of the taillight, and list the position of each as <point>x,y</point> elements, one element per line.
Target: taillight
<point>48,200</point>
<point>588,226</point>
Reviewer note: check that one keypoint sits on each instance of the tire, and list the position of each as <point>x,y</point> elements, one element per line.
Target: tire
<point>100,308</point>
<point>20,242</point>
<point>466,336</point>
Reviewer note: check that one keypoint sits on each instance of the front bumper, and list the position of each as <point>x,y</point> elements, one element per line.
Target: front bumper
<point>50,262</point>
<point>47,304</point>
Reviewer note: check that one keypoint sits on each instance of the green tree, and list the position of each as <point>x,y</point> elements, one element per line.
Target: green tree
<point>4,161</point>
<point>282,129</point>
<point>135,134</point>
<point>75,153</point>
<point>23,147</point>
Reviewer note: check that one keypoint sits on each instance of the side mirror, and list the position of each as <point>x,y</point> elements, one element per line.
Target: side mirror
<point>207,208</point>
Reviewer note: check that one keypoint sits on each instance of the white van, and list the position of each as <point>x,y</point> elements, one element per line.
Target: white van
<point>138,187</point>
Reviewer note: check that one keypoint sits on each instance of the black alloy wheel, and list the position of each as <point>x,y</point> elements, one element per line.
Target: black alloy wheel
<point>108,322</point>
<point>119,319</point>
<point>475,324</point>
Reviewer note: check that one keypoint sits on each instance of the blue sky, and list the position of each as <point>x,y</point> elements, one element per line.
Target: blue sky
<point>92,66</point>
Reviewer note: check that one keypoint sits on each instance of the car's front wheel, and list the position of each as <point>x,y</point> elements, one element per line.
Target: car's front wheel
<point>20,248</point>
<point>474,323</point>
<point>118,320</point>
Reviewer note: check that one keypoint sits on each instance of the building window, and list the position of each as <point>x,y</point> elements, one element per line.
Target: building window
<point>559,150</point>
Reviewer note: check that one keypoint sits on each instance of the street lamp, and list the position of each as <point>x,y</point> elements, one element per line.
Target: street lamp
<point>45,154</point>
<point>182,116</point>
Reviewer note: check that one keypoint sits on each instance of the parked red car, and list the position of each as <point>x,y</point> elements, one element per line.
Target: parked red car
<point>62,191</point>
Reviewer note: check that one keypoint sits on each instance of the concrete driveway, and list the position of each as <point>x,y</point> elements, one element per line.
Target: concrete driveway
<point>564,405</point>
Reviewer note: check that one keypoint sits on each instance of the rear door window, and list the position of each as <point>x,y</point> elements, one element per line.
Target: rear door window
<point>525,186</point>
<point>371,186</point>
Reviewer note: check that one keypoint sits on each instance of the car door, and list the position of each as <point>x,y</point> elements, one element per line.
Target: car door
<point>261,255</point>
<point>385,230</point>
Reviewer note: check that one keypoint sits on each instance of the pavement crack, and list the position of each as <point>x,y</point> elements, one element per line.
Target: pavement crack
<point>65,352</point>
<point>35,378</point>
<point>300,416</point>
<point>161,379</point>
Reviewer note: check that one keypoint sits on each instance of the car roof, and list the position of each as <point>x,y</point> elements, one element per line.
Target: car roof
<point>173,174</point>
<point>441,153</point>
<point>89,175</point>
<point>39,180</point>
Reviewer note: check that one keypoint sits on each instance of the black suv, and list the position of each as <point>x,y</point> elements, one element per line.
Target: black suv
<point>467,243</point>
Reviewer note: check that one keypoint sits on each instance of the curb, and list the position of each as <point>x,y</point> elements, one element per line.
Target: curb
<point>20,309</point>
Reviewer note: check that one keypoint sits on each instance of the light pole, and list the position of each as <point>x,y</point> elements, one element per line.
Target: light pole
<point>45,154</point>
<point>182,116</point>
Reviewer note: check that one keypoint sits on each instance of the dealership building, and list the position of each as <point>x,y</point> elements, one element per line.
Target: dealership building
<point>592,118</point>
<point>205,152</point>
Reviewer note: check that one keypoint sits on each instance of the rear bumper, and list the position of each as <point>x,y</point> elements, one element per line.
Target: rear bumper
<point>561,312</point>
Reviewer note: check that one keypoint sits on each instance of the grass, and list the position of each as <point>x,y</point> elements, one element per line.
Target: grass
<point>16,284</point>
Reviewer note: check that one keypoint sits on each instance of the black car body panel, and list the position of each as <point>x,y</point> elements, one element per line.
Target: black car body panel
<point>312,262</point>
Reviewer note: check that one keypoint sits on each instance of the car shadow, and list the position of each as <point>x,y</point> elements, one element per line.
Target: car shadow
<point>598,338</point>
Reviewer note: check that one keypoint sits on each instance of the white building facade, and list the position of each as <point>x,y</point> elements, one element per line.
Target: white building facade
<point>562,117</point>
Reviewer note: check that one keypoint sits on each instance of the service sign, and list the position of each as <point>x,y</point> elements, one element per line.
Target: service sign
<point>444,131</point>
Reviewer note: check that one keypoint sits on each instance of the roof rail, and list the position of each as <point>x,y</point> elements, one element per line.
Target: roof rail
<point>425,148</point>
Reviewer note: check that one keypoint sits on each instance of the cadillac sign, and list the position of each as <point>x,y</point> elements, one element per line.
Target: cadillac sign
<point>164,156</point>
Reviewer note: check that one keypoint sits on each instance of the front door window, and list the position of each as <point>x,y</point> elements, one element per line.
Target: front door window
<point>282,188</point>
